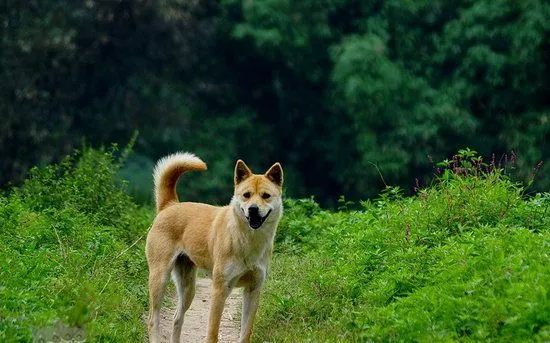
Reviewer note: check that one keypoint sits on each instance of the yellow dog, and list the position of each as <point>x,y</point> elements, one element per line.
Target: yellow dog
<point>234,242</point>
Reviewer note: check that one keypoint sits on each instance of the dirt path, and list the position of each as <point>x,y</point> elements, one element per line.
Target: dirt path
<point>196,318</point>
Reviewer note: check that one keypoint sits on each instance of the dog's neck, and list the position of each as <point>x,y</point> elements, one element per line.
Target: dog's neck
<point>253,244</point>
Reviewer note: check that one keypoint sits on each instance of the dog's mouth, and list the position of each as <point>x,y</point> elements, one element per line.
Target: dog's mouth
<point>255,220</point>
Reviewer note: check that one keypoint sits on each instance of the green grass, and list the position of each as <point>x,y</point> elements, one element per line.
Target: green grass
<point>467,260</point>
<point>68,253</point>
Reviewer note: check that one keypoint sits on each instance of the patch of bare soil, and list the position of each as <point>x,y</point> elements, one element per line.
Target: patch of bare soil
<point>195,322</point>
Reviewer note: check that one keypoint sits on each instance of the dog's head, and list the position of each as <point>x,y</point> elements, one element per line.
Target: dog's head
<point>257,198</point>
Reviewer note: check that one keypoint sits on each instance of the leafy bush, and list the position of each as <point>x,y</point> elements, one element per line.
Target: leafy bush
<point>464,260</point>
<point>72,252</point>
<point>83,182</point>
<point>299,223</point>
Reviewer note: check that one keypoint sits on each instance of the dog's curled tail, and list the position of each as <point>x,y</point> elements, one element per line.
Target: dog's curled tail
<point>166,175</point>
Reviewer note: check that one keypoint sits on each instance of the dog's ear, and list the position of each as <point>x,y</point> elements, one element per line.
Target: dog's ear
<point>241,172</point>
<point>275,174</point>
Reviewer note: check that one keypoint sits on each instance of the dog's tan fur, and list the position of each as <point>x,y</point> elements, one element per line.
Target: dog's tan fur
<point>186,236</point>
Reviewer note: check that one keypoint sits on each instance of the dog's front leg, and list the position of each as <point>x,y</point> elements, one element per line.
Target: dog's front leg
<point>251,299</point>
<point>220,291</point>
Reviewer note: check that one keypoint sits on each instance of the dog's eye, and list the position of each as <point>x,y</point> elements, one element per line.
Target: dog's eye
<point>266,196</point>
<point>246,195</point>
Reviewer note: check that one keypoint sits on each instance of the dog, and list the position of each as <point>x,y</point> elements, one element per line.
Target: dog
<point>233,243</point>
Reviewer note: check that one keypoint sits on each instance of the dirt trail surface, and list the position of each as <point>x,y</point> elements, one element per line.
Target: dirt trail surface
<point>195,322</point>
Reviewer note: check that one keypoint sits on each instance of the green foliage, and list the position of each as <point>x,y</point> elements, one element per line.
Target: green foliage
<point>366,82</point>
<point>72,252</point>
<point>400,81</point>
<point>463,260</point>
<point>302,218</point>
<point>354,89</point>
<point>96,71</point>
<point>82,182</point>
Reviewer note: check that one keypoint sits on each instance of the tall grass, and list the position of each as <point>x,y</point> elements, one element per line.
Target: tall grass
<point>71,253</point>
<point>466,259</point>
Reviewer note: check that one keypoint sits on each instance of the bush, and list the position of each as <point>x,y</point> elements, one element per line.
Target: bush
<point>463,260</point>
<point>72,252</point>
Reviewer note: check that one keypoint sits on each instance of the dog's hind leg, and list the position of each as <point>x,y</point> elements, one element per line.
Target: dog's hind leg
<point>184,275</point>
<point>158,277</point>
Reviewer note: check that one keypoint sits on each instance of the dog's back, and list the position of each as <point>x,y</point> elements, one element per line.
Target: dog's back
<point>184,228</point>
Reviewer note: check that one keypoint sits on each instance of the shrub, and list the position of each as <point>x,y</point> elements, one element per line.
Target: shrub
<point>463,260</point>
<point>72,252</point>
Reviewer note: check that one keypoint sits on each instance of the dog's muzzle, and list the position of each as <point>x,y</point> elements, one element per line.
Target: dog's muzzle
<point>255,220</point>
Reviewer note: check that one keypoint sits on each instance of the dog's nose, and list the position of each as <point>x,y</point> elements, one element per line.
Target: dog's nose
<point>253,209</point>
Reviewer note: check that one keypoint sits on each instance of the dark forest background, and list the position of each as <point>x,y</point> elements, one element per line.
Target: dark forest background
<point>339,91</point>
